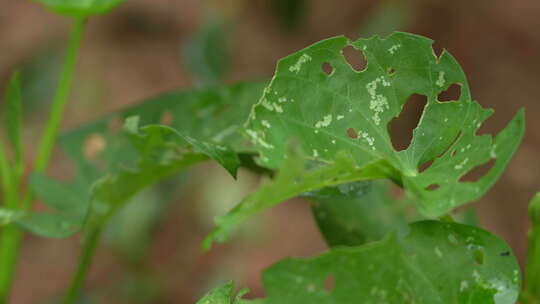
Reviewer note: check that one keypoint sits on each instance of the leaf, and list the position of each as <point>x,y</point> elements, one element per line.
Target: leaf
<point>389,16</point>
<point>113,166</point>
<point>13,116</point>
<point>435,263</point>
<point>295,177</point>
<point>207,53</point>
<point>349,111</point>
<point>80,8</point>
<point>356,213</point>
<point>223,295</point>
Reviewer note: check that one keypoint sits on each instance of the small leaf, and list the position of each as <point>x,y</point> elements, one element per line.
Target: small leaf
<point>80,8</point>
<point>435,263</point>
<point>223,295</point>
<point>50,225</point>
<point>13,116</point>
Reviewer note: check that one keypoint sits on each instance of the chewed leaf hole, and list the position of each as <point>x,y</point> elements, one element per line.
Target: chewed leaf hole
<point>352,133</point>
<point>355,58</point>
<point>327,68</point>
<point>329,282</point>
<point>453,93</point>
<point>423,167</point>
<point>478,172</point>
<point>433,187</point>
<point>401,127</point>
<point>479,255</point>
<point>391,71</point>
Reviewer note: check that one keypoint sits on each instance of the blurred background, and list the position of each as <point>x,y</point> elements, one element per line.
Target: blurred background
<point>151,252</point>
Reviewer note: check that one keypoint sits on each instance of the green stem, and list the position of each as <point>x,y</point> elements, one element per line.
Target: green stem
<point>90,244</point>
<point>532,270</point>
<point>11,235</point>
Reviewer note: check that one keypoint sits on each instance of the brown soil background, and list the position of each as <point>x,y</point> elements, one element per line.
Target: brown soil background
<point>134,53</point>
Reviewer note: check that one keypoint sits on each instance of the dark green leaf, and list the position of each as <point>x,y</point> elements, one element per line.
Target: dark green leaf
<point>207,53</point>
<point>80,8</point>
<point>356,213</point>
<point>435,263</point>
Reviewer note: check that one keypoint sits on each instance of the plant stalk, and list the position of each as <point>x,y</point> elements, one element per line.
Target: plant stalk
<point>85,260</point>
<point>532,270</point>
<point>11,236</point>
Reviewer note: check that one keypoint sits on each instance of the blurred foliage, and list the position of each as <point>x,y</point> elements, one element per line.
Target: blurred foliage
<point>389,16</point>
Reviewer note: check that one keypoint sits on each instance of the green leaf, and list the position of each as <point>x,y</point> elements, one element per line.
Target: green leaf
<point>435,263</point>
<point>348,111</point>
<point>80,8</point>
<point>114,166</point>
<point>8,216</point>
<point>67,199</point>
<point>207,53</point>
<point>223,295</point>
<point>295,177</point>
<point>356,213</point>
<point>13,116</point>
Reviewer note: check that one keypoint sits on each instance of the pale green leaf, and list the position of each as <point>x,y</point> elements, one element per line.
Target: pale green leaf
<point>80,8</point>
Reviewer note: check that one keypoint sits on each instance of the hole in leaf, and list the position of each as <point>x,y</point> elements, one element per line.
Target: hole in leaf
<point>401,127</point>
<point>391,71</point>
<point>355,58</point>
<point>478,255</point>
<point>115,124</point>
<point>94,144</point>
<point>433,187</point>
<point>352,133</point>
<point>437,50</point>
<point>451,94</point>
<point>424,166</point>
<point>450,146</point>
<point>327,68</point>
<point>478,172</point>
<point>167,117</point>
<point>329,282</point>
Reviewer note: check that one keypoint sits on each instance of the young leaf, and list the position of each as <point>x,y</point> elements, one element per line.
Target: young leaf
<point>223,295</point>
<point>356,213</point>
<point>349,111</point>
<point>12,117</point>
<point>295,177</point>
<point>435,263</point>
<point>78,8</point>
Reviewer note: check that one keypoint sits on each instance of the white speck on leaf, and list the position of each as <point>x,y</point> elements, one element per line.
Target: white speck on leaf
<point>464,285</point>
<point>298,65</point>
<point>438,252</point>
<point>460,165</point>
<point>315,153</point>
<point>278,108</point>
<point>440,81</point>
<point>394,48</point>
<point>266,124</point>
<point>340,117</point>
<point>325,122</point>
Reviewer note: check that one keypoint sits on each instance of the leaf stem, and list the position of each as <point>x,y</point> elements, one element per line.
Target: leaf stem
<point>532,270</point>
<point>90,244</point>
<point>11,235</point>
